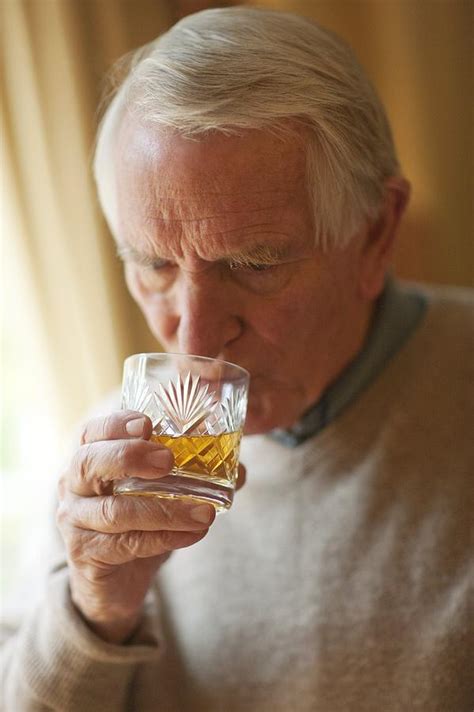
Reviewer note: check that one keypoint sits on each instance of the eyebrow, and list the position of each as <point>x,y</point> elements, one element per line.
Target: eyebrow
<point>261,254</point>
<point>127,253</point>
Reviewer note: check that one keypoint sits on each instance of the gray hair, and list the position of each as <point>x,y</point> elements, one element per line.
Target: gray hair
<point>240,68</point>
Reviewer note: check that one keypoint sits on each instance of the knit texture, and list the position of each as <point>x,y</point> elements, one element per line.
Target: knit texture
<point>340,580</point>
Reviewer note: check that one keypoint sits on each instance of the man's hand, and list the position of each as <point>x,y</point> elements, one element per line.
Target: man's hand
<point>115,544</point>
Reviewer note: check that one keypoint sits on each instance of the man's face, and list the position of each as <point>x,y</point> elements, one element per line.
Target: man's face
<point>218,244</point>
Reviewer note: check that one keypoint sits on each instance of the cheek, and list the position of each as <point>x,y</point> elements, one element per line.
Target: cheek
<point>133,284</point>
<point>155,308</point>
<point>304,323</point>
<point>277,323</point>
<point>285,321</point>
<point>161,323</point>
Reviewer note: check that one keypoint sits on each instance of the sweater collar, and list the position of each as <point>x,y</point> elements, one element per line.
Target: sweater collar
<point>397,313</point>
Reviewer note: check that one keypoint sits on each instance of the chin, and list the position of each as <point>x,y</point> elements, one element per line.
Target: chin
<point>262,418</point>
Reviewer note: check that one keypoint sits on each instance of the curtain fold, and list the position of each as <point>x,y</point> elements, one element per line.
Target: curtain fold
<point>50,88</point>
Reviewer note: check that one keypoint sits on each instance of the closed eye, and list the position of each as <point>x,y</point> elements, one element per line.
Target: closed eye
<point>250,266</point>
<point>156,265</point>
<point>130,255</point>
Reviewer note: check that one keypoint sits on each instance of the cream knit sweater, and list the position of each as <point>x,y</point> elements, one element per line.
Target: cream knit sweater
<point>340,581</point>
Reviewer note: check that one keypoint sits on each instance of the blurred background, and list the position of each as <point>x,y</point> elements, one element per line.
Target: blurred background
<point>67,321</point>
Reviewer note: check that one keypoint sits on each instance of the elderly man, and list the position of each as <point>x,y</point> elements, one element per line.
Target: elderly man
<point>247,172</point>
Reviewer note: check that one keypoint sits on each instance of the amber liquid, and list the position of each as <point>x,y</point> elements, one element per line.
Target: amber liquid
<point>209,457</point>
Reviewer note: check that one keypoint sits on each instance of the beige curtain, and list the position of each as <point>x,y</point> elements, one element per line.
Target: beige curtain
<point>56,53</point>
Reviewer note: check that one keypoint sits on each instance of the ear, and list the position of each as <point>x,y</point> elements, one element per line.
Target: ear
<point>379,241</point>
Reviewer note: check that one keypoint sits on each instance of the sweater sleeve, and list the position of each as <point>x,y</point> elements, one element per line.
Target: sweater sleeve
<point>52,661</point>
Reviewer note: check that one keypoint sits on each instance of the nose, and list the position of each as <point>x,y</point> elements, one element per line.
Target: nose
<point>208,318</point>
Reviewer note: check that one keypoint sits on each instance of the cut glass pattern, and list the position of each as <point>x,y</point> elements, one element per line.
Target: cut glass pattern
<point>233,409</point>
<point>184,405</point>
<point>136,395</point>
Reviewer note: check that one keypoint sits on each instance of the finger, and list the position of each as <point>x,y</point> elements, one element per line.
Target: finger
<point>115,549</point>
<point>118,425</point>
<point>95,466</point>
<point>114,515</point>
<point>241,477</point>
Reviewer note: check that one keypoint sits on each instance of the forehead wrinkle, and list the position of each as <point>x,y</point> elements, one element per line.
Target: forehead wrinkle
<point>267,227</point>
<point>203,236</point>
<point>227,221</point>
<point>158,219</point>
<point>199,232</point>
<point>172,233</point>
<point>188,210</point>
<point>173,192</point>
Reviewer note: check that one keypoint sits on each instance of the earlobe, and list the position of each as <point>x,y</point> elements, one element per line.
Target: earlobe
<point>380,238</point>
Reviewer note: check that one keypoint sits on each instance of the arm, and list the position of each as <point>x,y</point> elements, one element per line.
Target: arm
<point>53,661</point>
<point>80,648</point>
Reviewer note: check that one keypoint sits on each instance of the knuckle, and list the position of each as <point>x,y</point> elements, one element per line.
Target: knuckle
<point>123,454</point>
<point>75,547</point>
<point>104,427</point>
<point>76,460</point>
<point>82,545</point>
<point>168,540</point>
<point>88,471</point>
<point>84,433</point>
<point>132,542</point>
<point>62,487</point>
<point>164,514</point>
<point>81,463</point>
<point>62,515</point>
<point>110,426</point>
<point>128,453</point>
<point>72,540</point>
<point>108,512</point>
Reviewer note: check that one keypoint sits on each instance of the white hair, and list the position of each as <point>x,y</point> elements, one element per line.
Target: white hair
<point>239,68</point>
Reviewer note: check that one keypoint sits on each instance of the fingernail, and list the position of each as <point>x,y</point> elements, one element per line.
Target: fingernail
<point>202,514</point>
<point>161,458</point>
<point>135,427</point>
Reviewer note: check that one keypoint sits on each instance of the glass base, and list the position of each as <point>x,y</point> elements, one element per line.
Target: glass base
<point>187,489</point>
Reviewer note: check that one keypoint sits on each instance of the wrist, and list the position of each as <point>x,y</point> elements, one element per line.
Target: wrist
<point>117,632</point>
<point>109,625</point>
<point>112,630</point>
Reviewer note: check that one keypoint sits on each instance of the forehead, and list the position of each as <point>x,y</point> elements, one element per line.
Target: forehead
<point>215,192</point>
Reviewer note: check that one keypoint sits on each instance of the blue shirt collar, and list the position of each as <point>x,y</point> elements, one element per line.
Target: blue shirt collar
<point>397,314</point>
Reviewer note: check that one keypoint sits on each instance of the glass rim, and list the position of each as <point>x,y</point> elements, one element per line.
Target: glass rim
<point>154,354</point>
